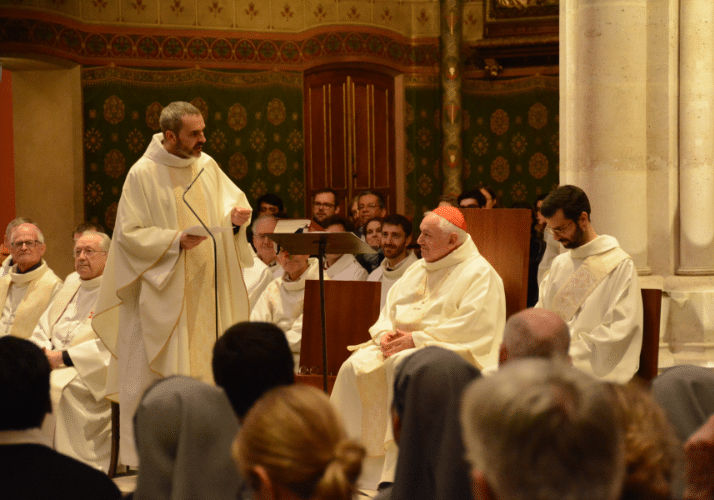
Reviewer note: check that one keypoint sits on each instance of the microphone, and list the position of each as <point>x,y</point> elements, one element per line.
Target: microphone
<point>215,251</point>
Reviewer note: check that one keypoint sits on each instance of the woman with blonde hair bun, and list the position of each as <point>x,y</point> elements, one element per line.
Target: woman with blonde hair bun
<point>293,445</point>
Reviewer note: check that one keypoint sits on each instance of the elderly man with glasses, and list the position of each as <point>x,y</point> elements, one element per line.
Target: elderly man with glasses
<point>28,286</point>
<point>593,287</point>
<point>78,359</point>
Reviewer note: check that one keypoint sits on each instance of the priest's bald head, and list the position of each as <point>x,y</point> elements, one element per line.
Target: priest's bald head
<point>442,231</point>
<point>534,333</point>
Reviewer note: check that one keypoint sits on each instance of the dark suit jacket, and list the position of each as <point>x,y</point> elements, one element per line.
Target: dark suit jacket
<point>34,471</point>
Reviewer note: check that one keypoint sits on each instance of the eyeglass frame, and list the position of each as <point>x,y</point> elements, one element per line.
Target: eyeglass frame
<point>17,245</point>
<point>318,204</point>
<point>558,231</point>
<point>89,252</point>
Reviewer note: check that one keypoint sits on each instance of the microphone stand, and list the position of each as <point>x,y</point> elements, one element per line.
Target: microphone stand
<point>215,251</point>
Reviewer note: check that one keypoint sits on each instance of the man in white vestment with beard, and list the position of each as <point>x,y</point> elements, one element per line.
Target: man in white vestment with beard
<point>78,358</point>
<point>396,237</point>
<point>452,298</point>
<point>159,278</point>
<point>593,287</point>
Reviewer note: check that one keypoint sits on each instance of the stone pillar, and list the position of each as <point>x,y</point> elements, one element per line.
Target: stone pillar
<point>451,75</point>
<point>603,115</point>
<point>696,137</point>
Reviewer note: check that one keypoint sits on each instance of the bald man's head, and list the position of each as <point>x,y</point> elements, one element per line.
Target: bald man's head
<point>534,333</point>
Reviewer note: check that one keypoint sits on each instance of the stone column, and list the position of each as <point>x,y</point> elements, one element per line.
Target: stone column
<point>696,137</point>
<point>603,118</point>
<point>451,75</point>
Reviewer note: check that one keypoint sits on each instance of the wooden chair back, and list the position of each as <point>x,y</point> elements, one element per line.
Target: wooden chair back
<point>649,355</point>
<point>351,307</point>
<point>502,236</point>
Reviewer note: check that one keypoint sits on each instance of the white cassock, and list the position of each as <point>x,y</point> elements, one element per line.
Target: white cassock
<point>594,288</point>
<point>282,304</point>
<point>257,279</point>
<point>553,248</point>
<point>388,276</point>
<point>82,414</point>
<point>346,268</point>
<point>25,297</point>
<point>457,303</point>
<point>6,265</point>
<point>163,295</point>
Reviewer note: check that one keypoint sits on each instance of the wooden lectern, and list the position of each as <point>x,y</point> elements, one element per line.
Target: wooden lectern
<point>502,236</point>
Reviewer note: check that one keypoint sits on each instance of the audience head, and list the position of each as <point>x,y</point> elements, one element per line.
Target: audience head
<point>269,204</point>
<point>472,198</point>
<point>337,224</point>
<point>442,231</point>
<point>27,245</point>
<point>490,196</point>
<point>11,227</point>
<point>264,246</point>
<point>182,125</point>
<point>292,443</point>
<point>396,236</point>
<point>86,226</point>
<point>370,204</point>
<point>540,220</point>
<point>428,386</point>
<point>538,429</point>
<point>249,359</point>
<point>447,200</point>
<point>90,254</point>
<point>354,211</point>
<point>567,213</point>
<point>293,265</point>
<point>24,384</point>
<point>184,429</point>
<point>534,333</point>
<point>373,233</point>
<point>326,203</point>
<point>651,447</point>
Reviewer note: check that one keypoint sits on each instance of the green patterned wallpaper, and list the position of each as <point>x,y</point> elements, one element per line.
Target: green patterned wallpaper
<point>511,137</point>
<point>253,129</point>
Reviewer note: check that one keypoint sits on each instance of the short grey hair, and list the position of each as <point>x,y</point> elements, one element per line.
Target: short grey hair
<point>14,223</point>
<point>450,227</point>
<point>536,333</point>
<point>172,116</point>
<point>40,236</point>
<point>106,240</point>
<point>260,220</point>
<point>538,429</point>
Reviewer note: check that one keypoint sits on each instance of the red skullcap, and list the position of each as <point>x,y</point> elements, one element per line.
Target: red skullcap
<point>453,215</point>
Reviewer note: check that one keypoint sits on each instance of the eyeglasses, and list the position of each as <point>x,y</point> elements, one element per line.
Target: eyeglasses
<point>558,231</point>
<point>88,252</point>
<point>30,244</point>
<point>323,205</point>
<point>262,236</point>
<point>371,206</point>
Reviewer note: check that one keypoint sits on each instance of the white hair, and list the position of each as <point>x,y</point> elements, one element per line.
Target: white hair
<point>538,429</point>
<point>106,240</point>
<point>39,235</point>
<point>450,227</point>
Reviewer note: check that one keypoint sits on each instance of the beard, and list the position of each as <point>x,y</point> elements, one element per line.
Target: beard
<point>392,251</point>
<point>576,240</point>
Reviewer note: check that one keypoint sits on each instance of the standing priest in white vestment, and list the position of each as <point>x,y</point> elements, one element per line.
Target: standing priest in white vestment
<point>28,286</point>
<point>78,358</point>
<point>452,298</point>
<point>593,287</point>
<point>159,278</point>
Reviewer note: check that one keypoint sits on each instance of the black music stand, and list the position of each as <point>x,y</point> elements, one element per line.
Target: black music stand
<point>319,243</point>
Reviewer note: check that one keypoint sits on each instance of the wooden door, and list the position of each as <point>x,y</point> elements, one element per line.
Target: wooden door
<point>349,134</point>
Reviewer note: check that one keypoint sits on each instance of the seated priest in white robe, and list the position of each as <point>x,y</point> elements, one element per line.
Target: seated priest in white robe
<point>28,286</point>
<point>282,302</point>
<point>396,237</point>
<point>342,267</point>
<point>452,298</point>
<point>6,251</point>
<point>593,287</point>
<point>79,359</point>
<point>257,279</point>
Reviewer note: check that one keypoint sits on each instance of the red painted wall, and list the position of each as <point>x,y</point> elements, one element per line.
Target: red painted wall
<point>7,156</point>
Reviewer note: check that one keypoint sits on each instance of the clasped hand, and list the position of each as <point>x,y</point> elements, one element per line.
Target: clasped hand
<point>396,341</point>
